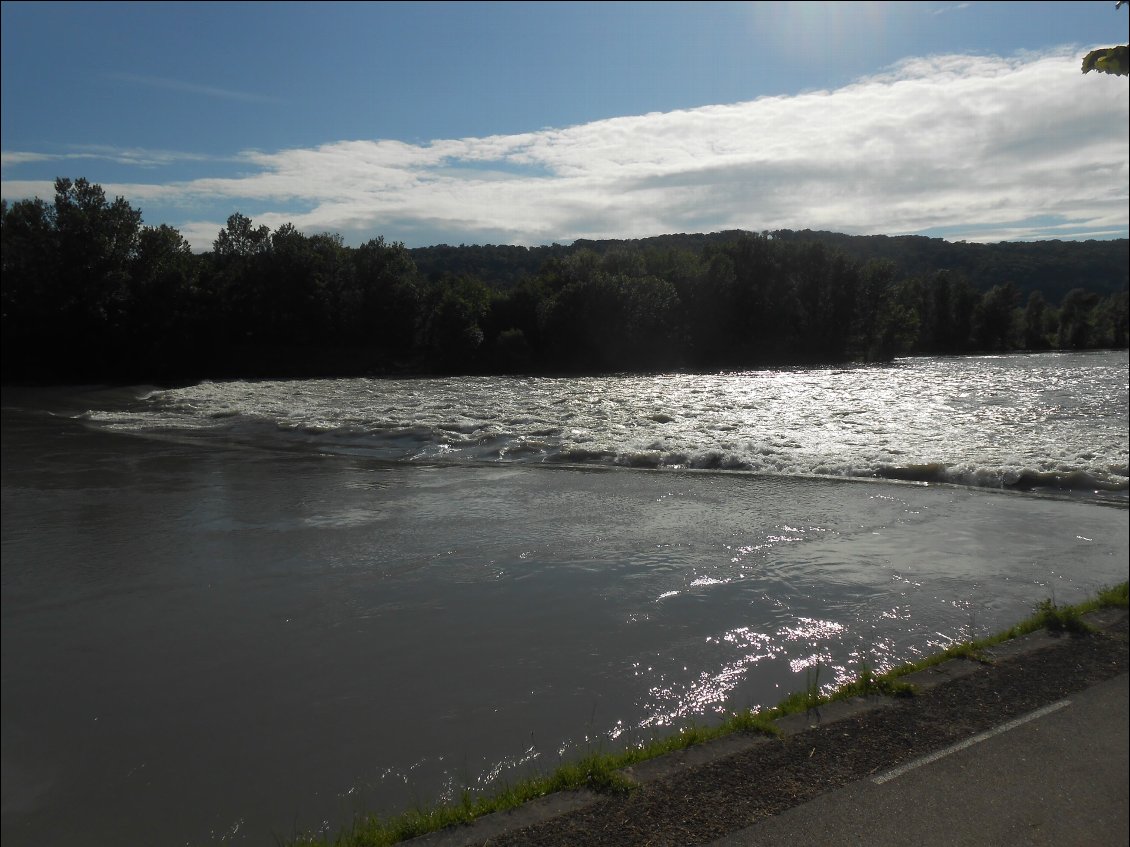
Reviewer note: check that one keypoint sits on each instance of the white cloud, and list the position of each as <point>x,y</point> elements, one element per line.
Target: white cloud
<point>132,156</point>
<point>16,157</point>
<point>166,84</point>
<point>974,145</point>
<point>942,10</point>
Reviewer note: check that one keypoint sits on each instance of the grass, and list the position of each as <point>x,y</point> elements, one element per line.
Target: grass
<point>602,772</point>
<point>596,772</point>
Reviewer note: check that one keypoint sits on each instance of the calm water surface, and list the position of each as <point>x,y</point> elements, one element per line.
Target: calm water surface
<point>245,610</point>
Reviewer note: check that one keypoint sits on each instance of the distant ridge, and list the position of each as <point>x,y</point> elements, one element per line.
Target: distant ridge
<point>1053,267</point>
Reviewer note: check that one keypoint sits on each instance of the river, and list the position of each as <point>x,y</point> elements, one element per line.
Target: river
<point>235,612</point>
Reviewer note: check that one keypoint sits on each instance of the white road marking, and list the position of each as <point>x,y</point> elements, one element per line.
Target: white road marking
<point>969,742</point>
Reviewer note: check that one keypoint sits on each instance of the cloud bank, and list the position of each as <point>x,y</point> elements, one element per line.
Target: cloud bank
<point>978,147</point>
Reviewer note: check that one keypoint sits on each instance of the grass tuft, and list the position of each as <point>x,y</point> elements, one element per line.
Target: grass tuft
<point>1115,597</point>
<point>1058,619</point>
<point>868,684</point>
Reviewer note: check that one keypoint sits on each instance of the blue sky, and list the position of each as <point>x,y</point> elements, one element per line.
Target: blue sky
<point>543,122</point>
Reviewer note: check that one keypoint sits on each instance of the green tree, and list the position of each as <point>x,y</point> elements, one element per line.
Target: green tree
<point>96,240</point>
<point>649,309</point>
<point>299,287</point>
<point>240,237</point>
<point>453,330</point>
<point>1076,322</point>
<point>764,306</point>
<point>1112,320</point>
<point>876,282</point>
<point>164,309</point>
<point>713,323</point>
<point>582,323</point>
<point>887,313</point>
<point>512,352</point>
<point>234,282</point>
<point>513,311</point>
<point>993,324</point>
<point>384,304</point>
<point>1036,322</point>
<point>824,286</point>
<point>29,289</point>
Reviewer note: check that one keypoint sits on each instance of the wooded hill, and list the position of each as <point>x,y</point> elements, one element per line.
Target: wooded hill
<point>1051,267</point>
<point>90,294</point>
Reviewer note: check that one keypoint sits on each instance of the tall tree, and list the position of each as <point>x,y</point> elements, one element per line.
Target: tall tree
<point>1036,327</point>
<point>993,317</point>
<point>1076,322</point>
<point>385,301</point>
<point>29,288</point>
<point>164,308</point>
<point>96,240</point>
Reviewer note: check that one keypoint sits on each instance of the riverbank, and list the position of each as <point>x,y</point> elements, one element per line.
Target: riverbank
<point>813,746</point>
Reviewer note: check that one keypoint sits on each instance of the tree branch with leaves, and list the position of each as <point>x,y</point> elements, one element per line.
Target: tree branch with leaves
<point>1109,60</point>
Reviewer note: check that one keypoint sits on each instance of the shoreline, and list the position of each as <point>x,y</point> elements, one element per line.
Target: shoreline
<point>967,687</point>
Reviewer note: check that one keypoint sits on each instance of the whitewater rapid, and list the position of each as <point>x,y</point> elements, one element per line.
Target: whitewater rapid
<point>1037,421</point>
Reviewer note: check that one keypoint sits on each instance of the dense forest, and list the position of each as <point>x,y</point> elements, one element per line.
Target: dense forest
<point>92,294</point>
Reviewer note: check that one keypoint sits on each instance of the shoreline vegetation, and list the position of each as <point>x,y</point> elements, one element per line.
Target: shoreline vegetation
<point>91,295</point>
<point>601,772</point>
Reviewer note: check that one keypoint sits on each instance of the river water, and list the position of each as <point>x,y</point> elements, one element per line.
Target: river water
<point>236,612</point>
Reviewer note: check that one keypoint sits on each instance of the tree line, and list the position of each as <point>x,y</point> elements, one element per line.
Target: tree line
<point>90,293</point>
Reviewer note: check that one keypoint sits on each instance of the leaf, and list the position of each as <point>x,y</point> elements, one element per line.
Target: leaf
<point>1108,60</point>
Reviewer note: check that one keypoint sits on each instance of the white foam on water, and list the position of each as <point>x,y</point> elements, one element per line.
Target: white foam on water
<point>1042,421</point>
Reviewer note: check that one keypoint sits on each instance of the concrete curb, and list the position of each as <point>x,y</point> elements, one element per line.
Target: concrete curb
<point>498,823</point>
<point>675,762</point>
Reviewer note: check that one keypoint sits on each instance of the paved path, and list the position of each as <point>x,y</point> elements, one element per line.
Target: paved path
<point>1056,776</point>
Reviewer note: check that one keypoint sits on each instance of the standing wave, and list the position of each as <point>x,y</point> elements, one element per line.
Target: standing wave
<point>1047,422</point>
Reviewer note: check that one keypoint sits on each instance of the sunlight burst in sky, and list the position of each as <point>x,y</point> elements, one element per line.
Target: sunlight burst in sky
<point>536,123</point>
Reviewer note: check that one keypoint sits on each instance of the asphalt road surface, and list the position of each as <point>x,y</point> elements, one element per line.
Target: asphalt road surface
<point>1056,776</point>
